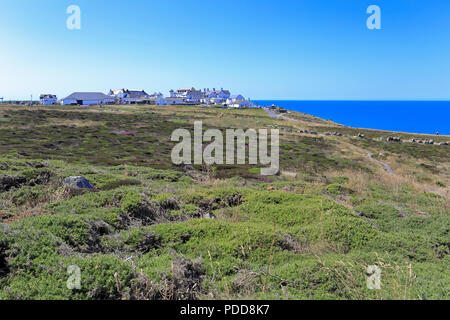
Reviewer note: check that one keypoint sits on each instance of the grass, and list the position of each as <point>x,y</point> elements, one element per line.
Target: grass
<point>153,230</point>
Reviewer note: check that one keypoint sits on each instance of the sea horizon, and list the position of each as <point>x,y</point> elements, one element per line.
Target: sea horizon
<point>409,116</point>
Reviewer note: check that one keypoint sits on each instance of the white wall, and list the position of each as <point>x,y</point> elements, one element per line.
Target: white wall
<point>88,102</point>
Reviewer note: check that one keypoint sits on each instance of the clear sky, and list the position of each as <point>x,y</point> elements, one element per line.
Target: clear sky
<point>277,49</point>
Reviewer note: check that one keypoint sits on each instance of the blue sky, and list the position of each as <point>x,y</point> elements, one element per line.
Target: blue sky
<point>284,49</point>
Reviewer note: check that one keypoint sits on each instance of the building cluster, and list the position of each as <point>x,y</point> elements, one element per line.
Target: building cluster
<point>184,96</point>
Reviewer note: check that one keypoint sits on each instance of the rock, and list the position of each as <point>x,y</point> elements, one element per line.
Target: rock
<point>313,132</point>
<point>360,135</point>
<point>289,174</point>
<point>395,139</point>
<point>78,182</point>
<point>383,139</point>
<point>188,167</point>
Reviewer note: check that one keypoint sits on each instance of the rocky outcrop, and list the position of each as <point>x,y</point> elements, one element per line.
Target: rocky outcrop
<point>78,182</point>
<point>394,139</point>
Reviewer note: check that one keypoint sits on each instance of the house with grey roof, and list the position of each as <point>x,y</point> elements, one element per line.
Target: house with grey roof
<point>48,99</point>
<point>190,95</point>
<point>87,98</point>
<point>215,96</point>
<point>239,104</point>
<point>234,98</point>
<point>127,96</point>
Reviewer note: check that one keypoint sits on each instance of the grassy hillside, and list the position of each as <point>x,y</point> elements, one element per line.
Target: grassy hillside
<point>153,230</point>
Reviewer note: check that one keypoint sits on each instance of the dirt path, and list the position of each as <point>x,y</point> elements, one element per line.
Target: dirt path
<point>369,154</point>
<point>272,114</point>
<point>385,165</point>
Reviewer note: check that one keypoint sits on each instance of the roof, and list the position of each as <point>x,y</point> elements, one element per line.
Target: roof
<point>218,91</point>
<point>130,93</point>
<point>186,89</point>
<point>239,101</point>
<point>47,96</point>
<point>87,96</point>
<point>235,96</point>
<point>117,91</point>
<point>136,93</point>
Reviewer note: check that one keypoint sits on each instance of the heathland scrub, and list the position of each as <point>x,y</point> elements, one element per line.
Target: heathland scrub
<point>213,153</point>
<point>341,227</point>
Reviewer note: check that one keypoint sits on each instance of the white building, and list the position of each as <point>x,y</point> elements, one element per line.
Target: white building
<point>127,96</point>
<point>239,104</point>
<point>190,95</point>
<point>48,99</point>
<point>215,96</point>
<point>234,98</point>
<point>87,98</point>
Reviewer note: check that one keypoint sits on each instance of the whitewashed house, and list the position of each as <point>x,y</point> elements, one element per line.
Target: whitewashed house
<point>87,98</point>
<point>190,95</point>
<point>48,99</point>
<point>234,98</point>
<point>239,104</point>
<point>215,96</point>
<point>126,96</point>
<point>157,98</point>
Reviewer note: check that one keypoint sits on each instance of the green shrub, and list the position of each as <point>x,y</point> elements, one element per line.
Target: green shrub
<point>131,202</point>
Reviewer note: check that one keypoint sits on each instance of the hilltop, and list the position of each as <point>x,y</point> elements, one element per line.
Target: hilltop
<point>345,198</point>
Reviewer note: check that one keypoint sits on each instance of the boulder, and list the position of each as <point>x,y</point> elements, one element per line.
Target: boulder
<point>289,174</point>
<point>78,182</point>
<point>395,139</point>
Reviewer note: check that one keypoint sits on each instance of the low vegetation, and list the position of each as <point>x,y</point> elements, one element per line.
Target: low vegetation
<point>153,230</point>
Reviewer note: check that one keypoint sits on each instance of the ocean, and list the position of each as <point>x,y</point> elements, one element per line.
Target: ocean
<point>406,116</point>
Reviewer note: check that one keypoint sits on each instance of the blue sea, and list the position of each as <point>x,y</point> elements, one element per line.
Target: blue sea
<point>406,116</point>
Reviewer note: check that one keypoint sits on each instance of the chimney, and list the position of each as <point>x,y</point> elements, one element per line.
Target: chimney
<point>214,89</point>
